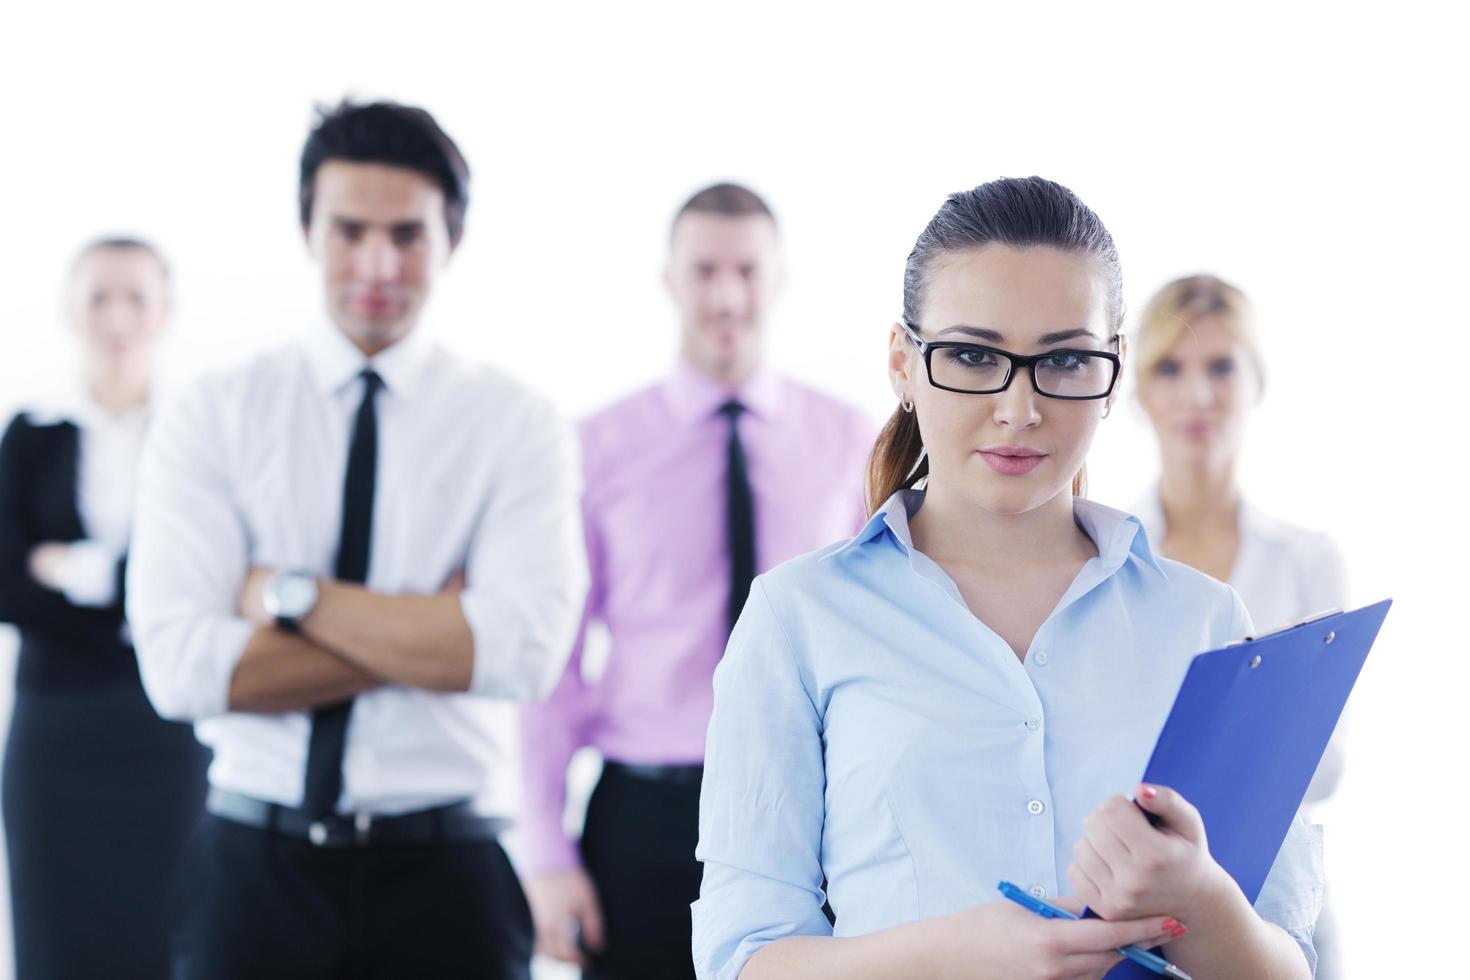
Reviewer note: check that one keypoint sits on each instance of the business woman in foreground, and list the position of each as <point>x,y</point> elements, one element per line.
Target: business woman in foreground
<point>968,689</point>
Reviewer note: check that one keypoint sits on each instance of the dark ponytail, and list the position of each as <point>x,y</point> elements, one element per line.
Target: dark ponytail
<point>896,463</point>
<point>1017,212</point>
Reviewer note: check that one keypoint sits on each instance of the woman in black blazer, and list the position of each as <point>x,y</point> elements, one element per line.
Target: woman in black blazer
<point>99,794</point>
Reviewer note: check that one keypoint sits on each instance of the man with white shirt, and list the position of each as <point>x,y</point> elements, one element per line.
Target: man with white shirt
<point>349,557</point>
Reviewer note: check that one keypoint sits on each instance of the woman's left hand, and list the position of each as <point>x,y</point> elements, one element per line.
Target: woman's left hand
<point>1126,868</point>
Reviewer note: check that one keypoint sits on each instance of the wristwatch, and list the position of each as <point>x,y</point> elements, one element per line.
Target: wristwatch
<point>288,597</point>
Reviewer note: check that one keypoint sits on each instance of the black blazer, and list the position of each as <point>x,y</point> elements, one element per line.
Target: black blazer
<point>61,644</point>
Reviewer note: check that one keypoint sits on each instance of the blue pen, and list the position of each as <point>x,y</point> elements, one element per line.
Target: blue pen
<point>1046,910</point>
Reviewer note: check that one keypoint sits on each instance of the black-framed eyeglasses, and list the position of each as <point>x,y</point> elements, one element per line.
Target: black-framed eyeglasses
<point>974,369</point>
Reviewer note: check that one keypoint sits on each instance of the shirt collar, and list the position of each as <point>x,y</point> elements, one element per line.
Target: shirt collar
<point>1118,536</point>
<point>693,395</point>
<point>336,362</point>
<point>893,516</point>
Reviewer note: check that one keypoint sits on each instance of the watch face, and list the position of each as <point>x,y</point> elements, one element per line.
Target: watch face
<point>295,594</point>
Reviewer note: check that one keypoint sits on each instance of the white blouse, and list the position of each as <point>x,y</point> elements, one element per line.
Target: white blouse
<point>1283,573</point>
<point>109,447</point>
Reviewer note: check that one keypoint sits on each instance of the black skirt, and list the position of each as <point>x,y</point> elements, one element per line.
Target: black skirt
<point>100,795</point>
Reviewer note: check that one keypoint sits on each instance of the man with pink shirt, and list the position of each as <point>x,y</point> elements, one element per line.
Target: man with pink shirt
<point>692,487</point>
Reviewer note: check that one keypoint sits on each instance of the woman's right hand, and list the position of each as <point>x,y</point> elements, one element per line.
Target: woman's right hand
<point>1003,940</point>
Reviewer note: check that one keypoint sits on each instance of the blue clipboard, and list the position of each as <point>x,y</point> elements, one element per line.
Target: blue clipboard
<point>1247,731</point>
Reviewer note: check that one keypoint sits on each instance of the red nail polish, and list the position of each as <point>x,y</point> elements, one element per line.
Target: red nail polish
<point>1149,792</point>
<point>1170,924</point>
<point>1176,933</point>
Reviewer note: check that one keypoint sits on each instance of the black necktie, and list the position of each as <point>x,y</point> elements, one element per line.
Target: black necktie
<point>739,515</point>
<point>354,549</point>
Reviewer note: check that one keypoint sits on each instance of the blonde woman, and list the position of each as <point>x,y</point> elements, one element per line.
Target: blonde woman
<point>1200,372</point>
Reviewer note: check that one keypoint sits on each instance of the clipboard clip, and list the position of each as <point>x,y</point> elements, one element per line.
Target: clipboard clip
<point>1309,620</point>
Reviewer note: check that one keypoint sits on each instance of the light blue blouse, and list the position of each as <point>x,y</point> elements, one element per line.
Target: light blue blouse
<point>870,731</point>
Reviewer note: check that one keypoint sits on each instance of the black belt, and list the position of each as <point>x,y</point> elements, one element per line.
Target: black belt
<point>455,822</point>
<point>687,775</point>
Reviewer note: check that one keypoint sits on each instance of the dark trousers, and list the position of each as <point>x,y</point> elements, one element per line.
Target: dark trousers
<point>254,904</point>
<point>638,847</point>
<point>100,797</point>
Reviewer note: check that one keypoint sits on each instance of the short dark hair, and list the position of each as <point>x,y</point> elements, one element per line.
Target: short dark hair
<point>388,133</point>
<point>121,243</point>
<point>731,200</point>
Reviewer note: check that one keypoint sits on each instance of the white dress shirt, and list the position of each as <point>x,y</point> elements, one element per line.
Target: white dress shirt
<point>108,449</point>
<point>1283,574</point>
<point>474,473</point>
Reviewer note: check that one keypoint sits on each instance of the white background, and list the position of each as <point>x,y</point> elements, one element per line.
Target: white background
<point>1310,154</point>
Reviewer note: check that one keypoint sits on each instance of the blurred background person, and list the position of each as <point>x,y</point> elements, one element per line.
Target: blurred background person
<point>1200,371</point>
<point>351,554</point>
<point>99,792</point>
<point>692,486</point>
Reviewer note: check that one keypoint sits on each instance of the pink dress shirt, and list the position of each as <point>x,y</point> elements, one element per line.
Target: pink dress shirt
<point>654,509</point>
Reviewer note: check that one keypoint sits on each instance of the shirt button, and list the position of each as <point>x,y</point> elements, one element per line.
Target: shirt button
<point>1041,658</point>
<point>1032,724</point>
<point>1037,891</point>
<point>1035,808</point>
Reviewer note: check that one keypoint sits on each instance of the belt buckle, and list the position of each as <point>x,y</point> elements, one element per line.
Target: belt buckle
<point>333,831</point>
<point>319,833</point>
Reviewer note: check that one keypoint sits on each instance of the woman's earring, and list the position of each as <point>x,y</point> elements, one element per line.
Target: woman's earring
<point>906,405</point>
<point>1107,410</point>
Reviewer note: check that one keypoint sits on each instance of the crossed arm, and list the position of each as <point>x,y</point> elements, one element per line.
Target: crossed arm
<point>206,647</point>
<point>353,641</point>
<point>205,643</point>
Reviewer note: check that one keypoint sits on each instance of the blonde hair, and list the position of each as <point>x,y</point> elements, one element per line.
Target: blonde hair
<point>1176,307</point>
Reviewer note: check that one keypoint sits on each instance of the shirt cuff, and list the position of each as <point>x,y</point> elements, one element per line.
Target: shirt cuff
<point>89,574</point>
<point>544,850</point>
<point>1304,943</point>
<point>516,658</point>
<point>187,667</point>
